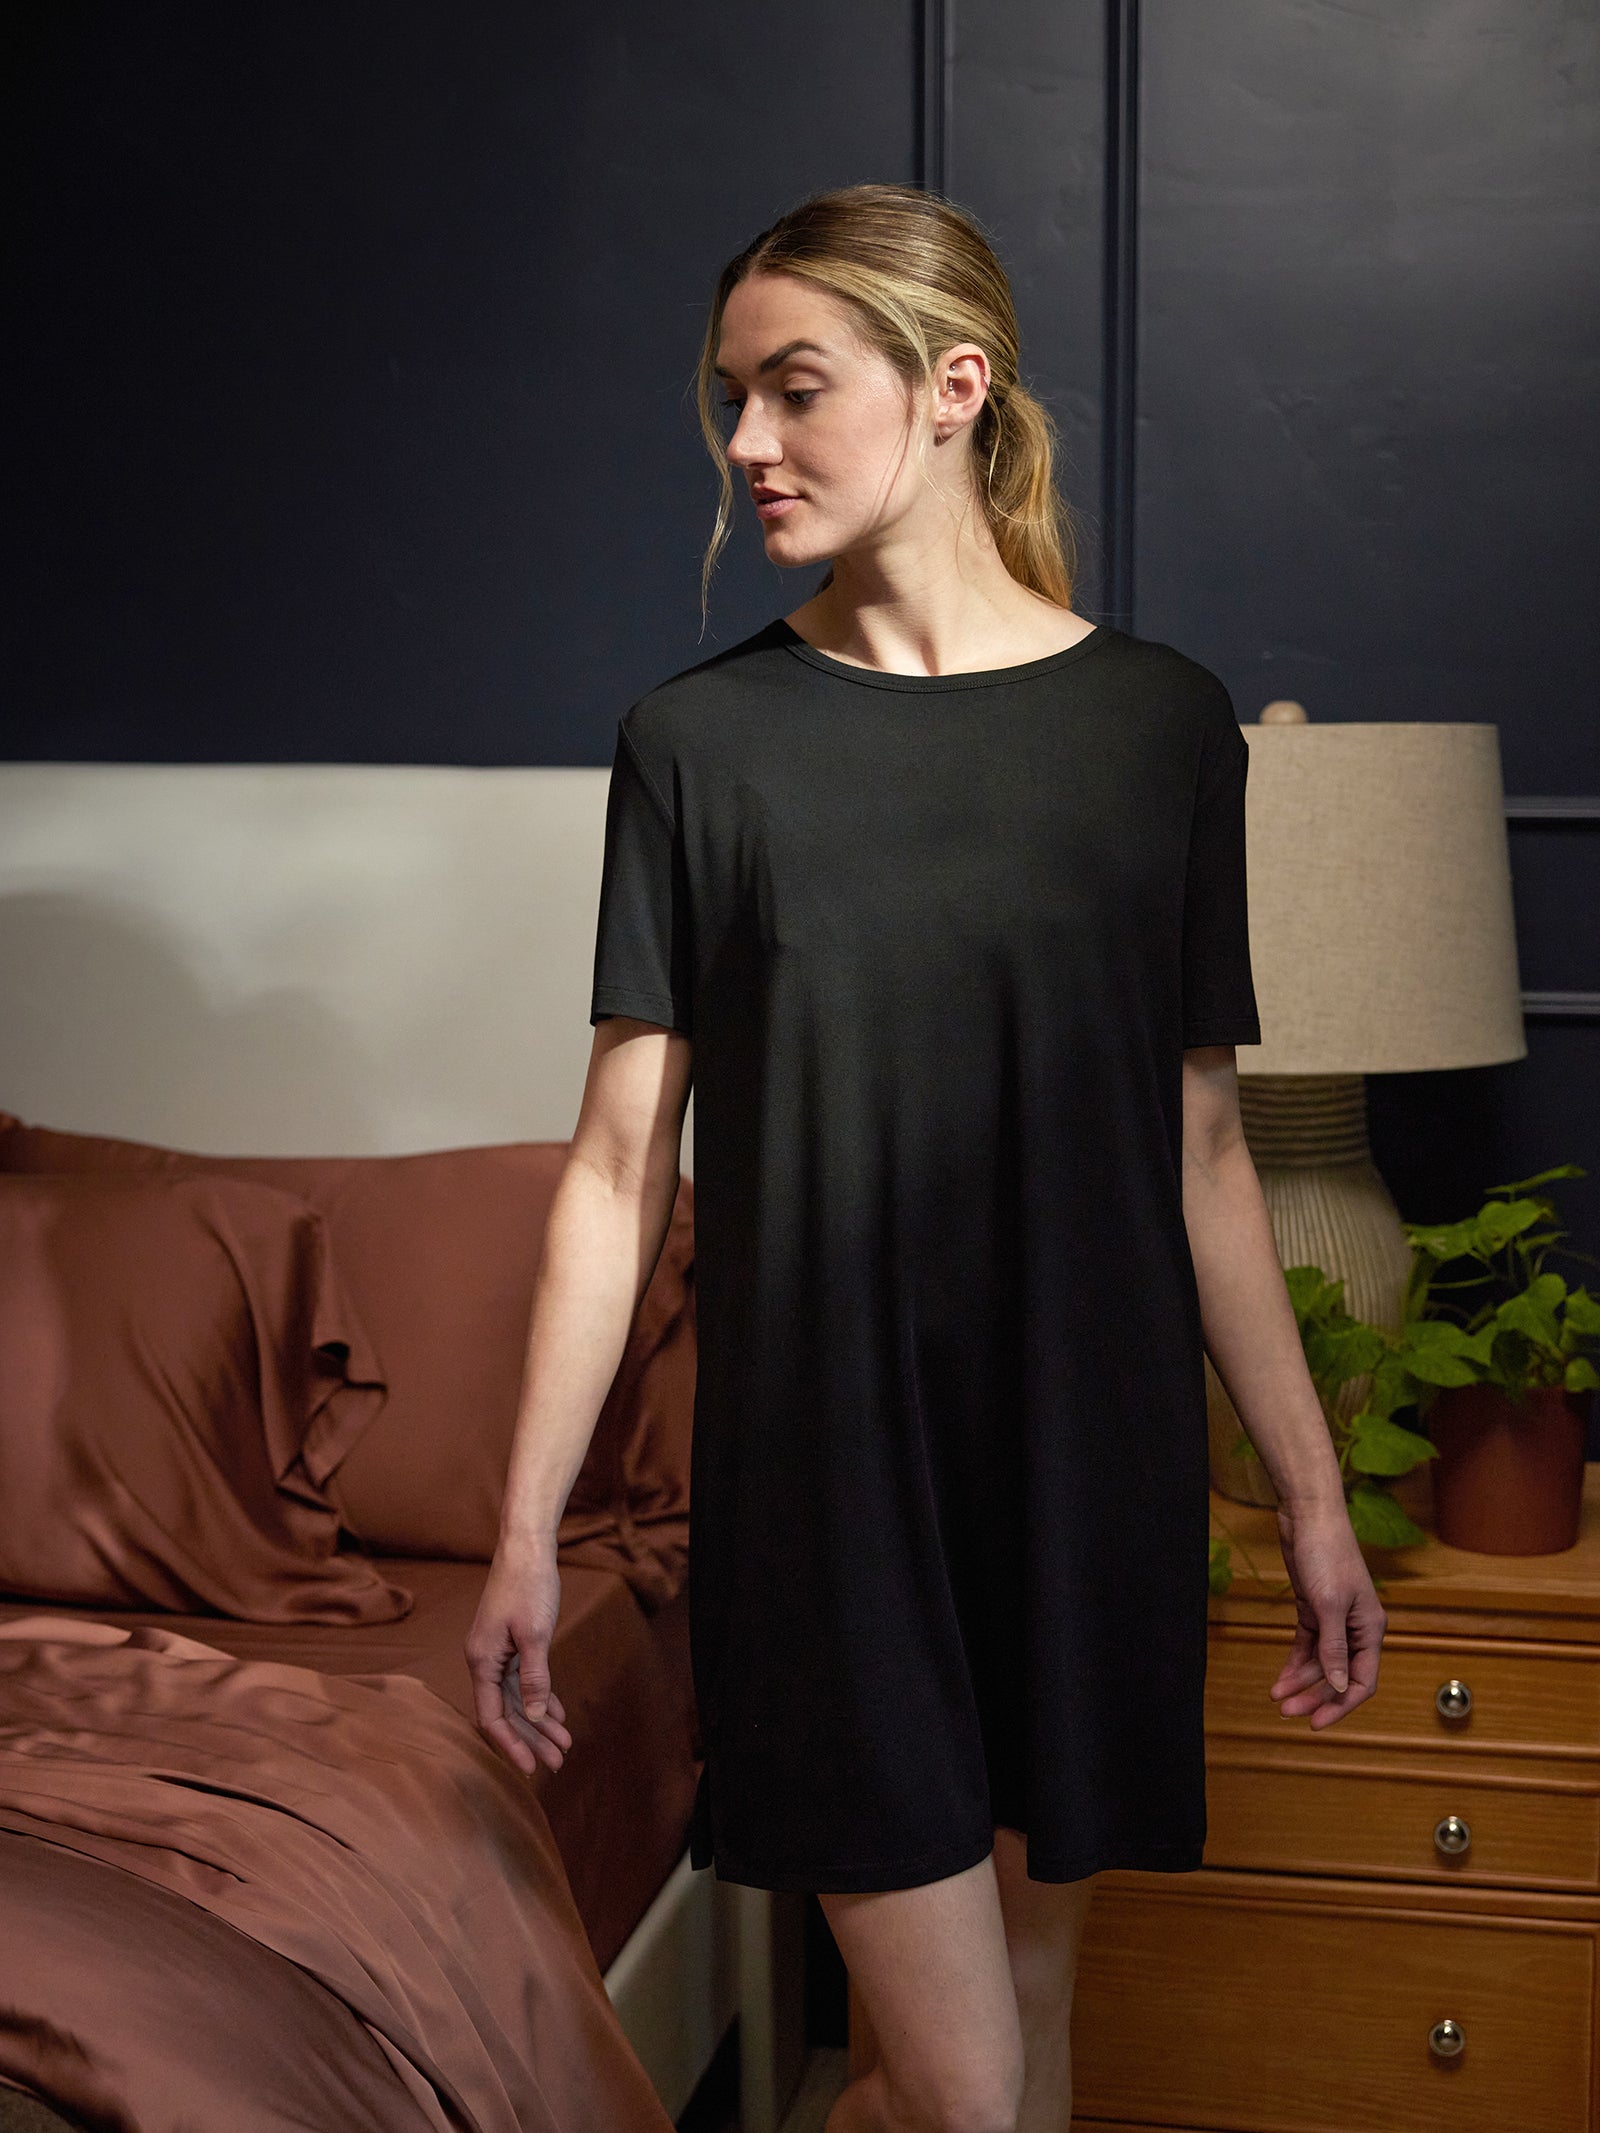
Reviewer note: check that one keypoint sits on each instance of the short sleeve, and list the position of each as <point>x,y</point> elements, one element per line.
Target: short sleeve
<point>1219,1001</point>
<point>641,957</point>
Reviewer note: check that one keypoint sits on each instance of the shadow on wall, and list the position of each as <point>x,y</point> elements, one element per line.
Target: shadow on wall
<point>114,1025</point>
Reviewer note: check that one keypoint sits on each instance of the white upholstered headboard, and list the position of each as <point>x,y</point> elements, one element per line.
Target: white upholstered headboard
<point>287,959</point>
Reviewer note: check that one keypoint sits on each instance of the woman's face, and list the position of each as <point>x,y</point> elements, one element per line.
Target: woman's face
<point>828,425</point>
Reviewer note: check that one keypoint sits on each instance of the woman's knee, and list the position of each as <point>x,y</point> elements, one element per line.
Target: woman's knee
<point>984,2098</point>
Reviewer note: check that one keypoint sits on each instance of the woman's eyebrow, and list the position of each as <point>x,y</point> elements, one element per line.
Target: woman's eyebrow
<point>777,356</point>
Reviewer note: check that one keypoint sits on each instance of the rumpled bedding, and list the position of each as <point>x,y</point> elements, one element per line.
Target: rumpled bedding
<point>361,1837</point>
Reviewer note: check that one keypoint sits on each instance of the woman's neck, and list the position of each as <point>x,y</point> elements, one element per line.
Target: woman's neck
<point>960,630</point>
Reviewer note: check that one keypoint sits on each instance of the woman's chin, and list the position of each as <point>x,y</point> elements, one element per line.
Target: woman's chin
<point>794,550</point>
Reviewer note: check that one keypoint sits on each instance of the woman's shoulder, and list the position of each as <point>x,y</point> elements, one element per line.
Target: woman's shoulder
<point>679,708</point>
<point>1181,684</point>
<point>1168,662</point>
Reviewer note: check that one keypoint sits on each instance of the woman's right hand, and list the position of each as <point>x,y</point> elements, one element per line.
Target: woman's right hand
<point>508,1656</point>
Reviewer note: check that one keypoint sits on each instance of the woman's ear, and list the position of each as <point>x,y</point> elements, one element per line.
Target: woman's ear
<point>961,387</point>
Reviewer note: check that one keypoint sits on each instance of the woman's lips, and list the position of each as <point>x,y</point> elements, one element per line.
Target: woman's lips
<point>776,506</point>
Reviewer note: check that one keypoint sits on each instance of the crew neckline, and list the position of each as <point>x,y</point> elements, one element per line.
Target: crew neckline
<point>979,678</point>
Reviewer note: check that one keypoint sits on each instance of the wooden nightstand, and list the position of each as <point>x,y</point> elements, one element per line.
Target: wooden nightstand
<point>1395,1930</point>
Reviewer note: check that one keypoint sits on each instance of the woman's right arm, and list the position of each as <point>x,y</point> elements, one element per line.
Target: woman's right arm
<point>608,1219</point>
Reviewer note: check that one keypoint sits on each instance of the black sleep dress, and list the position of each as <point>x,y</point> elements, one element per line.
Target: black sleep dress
<point>940,943</point>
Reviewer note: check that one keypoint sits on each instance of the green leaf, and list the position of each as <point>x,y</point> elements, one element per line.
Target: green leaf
<point>1439,1333</point>
<point>1381,1447</point>
<point>1333,1355</point>
<point>1219,1573</point>
<point>1436,1351</point>
<point>1543,1177</point>
<point>1379,1521</point>
<point>1583,1311</point>
<point>1501,1220</point>
<point>1510,1353</point>
<point>1527,1316</point>
<point>1440,1240</point>
<point>1310,1289</point>
<point>1443,1370</point>
<point>1392,1385</point>
<point>1580,1375</point>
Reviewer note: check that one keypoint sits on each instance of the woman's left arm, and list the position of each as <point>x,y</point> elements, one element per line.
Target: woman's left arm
<point>1254,1345</point>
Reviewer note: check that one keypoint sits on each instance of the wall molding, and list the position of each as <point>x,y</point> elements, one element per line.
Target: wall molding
<point>1561,1006</point>
<point>935,73</point>
<point>1119,314</point>
<point>1566,808</point>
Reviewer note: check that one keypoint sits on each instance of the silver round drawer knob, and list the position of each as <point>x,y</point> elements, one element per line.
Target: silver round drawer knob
<point>1452,1835</point>
<point>1453,1699</point>
<point>1446,2039</point>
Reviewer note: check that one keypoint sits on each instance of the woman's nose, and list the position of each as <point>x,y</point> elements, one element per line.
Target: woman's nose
<point>748,446</point>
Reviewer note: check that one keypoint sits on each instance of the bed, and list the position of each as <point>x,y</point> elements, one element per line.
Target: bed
<point>615,1972</point>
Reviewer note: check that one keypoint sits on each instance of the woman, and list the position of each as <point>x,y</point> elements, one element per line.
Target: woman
<point>940,888</point>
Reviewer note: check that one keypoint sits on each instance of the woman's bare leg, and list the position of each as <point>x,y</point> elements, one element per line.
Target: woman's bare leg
<point>932,1968</point>
<point>1044,1923</point>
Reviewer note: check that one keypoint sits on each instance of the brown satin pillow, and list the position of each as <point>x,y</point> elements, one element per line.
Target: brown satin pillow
<point>439,1252</point>
<point>180,1372</point>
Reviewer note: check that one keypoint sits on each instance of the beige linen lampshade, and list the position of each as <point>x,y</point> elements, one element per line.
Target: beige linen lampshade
<point>1381,930</point>
<point>1381,941</point>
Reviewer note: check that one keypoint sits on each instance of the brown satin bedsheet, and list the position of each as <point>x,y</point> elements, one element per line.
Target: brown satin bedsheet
<point>619,1806</point>
<point>127,2043</point>
<point>355,1834</point>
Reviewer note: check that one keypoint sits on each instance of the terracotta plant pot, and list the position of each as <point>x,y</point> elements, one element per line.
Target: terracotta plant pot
<point>1509,1478</point>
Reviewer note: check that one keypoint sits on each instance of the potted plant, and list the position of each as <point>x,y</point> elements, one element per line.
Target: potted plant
<point>1502,1390</point>
<point>1505,1387</point>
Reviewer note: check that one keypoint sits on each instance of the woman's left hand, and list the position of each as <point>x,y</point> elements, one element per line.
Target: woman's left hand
<point>1333,1663</point>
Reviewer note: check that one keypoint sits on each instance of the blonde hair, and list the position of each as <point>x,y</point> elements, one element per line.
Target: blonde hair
<point>918,275</point>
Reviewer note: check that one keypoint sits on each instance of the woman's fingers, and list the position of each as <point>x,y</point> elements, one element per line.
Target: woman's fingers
<point>487,1668</point>
<point>1297,1670</point>
<point>502,1732</point>
<point>551,1728</point>
<point>1340,1706</point>
<point>508,1650</point>
<point>546,1734</point>
<point>1304,1685</point>
<point>1333,1661</point>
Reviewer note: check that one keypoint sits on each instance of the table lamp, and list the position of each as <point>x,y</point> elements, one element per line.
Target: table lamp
<point>1381,942</point>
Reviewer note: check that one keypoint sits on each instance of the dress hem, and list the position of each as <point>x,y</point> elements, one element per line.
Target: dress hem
<point>915,1873</point>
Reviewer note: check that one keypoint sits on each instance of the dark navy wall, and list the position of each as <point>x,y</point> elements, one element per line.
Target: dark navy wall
<point>1369,411</point>
<point>349,400</point>
<point>356,343</point>
<point>1368,363</point>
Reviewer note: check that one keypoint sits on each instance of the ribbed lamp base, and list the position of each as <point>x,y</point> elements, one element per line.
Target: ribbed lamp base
<point>1307,1135</point>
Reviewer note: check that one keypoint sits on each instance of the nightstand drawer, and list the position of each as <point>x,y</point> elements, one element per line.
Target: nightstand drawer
<point>1304,2012</point>
<point>1430,1822</point>
<point>1542,1697</point>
